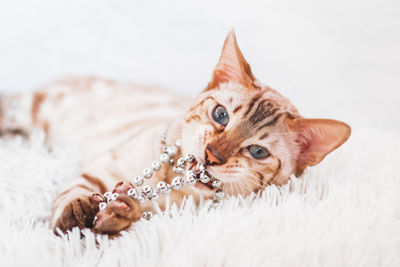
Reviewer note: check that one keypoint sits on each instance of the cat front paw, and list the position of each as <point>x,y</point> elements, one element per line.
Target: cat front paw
<point>119,214</point>
<point>80,212</point>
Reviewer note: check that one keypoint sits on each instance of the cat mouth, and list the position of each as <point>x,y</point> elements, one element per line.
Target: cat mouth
<point>200,185</point>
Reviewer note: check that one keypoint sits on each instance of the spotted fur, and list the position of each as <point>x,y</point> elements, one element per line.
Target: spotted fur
<point>116,129</point>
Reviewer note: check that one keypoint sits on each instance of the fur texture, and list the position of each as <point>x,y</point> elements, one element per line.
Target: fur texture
<point>343,212</point>
<point>262,139</point>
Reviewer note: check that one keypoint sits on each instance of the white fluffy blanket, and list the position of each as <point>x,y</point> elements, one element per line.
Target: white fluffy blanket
<point>344,212</point>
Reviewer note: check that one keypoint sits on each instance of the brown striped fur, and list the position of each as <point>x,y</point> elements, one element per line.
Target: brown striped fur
<point>116,130</point>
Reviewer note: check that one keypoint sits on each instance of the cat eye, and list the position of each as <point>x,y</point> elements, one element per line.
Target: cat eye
<point>220,115</point>
<point>258,152</point>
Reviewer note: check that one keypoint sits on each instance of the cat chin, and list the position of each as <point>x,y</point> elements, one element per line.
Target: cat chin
<point>200,189</point>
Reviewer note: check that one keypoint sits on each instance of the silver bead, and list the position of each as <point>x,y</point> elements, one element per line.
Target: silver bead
<point>219,195</point>
<point>189,158</point>
<point>147,173</point>
<point>164,158</point>
<point>114,196</point>
<point>162,187</point>
<point>138,180</point>
<point>204,178</point>
<point>147,190</point>
<point>177,183</point>
<point>154,195</point>
<point>102,205</point>
<point>107,194</point>
<point>140,199</point>
<point>216,183</point>
<point>156,165</point>
<point>171,162</point>
<point>200,167</point>
<point>178,143</point>
<point>190,173</point>
<point>178,170</point>
<point>181,162</point>
<point>172,150</point>
<point>191,180</point>
<point>132,192</point>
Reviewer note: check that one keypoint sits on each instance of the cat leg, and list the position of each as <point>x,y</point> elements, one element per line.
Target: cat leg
<point>76,206</point>
<point>119,214</point>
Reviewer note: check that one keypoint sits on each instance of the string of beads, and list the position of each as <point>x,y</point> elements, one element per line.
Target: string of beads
<point>197,173</point>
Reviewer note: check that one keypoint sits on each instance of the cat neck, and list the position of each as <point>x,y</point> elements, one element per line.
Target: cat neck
<point>173,131</point>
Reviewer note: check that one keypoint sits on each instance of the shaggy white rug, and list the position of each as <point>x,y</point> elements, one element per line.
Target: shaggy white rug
<point>344,212</point>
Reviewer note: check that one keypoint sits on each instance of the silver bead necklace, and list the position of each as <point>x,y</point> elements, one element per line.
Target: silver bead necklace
<point>197,173</point>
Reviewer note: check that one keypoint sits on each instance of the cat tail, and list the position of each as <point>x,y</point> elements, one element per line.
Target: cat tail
<point>15,113</point>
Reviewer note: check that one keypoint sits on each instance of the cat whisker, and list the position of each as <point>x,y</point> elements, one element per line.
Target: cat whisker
<point>238,185</point>
<point>251,181</point>
<point>268,176</point>
<point>260,171</point>
<point>246,187</point>
<point>241,188</point>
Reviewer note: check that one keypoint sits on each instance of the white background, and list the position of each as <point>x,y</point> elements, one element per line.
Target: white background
<point>334,59</point>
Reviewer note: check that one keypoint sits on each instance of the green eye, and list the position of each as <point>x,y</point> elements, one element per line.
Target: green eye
<point>258,152</point>
<point>220,115</point>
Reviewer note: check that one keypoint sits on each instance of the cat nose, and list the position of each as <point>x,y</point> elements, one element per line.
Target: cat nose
<point>211,158</point>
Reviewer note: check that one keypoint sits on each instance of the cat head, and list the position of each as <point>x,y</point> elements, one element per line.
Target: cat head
<point>248,135</point>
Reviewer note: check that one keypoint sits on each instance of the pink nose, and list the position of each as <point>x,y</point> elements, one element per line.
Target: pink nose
<point>211,159</point>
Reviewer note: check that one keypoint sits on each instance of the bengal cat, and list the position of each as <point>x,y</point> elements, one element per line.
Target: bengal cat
<point>245,133</point>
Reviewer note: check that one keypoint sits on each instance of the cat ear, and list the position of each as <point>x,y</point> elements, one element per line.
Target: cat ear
<point>232,67</point>
<point>317,138</point>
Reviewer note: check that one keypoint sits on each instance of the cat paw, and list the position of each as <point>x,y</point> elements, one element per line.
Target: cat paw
<point>119,214</point>
<point>80,212</point>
